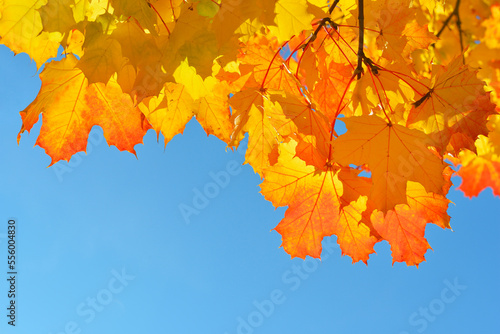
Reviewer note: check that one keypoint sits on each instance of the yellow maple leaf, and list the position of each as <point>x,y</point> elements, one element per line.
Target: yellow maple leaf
<point>291,18</point>
<point>170,111</point>
<point>21,30</point>
<point>139,9</point>
<point>101,59</point>
<point>250,116</point>
<point>57,15</point>
<point>213,112</point>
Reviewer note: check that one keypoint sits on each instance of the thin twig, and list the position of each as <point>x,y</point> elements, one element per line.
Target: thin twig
<point>361,55</point>
<point>456,13</point>
<point>332,7</point>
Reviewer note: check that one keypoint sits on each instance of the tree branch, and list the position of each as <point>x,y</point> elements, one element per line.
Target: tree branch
<point>455,13</point>
<point>332,7</point>
<point>361,54</point>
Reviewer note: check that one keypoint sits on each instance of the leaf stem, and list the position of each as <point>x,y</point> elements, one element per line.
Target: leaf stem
<point>342,51</point>
<point>271,63</point>
<point>337,113</point>
<point>161,18</point>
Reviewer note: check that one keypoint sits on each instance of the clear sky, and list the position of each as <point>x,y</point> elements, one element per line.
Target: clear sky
<point>104,248</point>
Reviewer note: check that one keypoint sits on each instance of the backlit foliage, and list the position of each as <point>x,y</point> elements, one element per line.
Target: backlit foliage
<point>416,83</point>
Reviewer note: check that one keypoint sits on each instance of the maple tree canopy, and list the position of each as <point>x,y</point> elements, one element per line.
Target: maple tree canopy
<point>416,83</point>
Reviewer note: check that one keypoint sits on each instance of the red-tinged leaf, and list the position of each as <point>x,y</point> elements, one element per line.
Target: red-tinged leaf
<point>315,208</point>
<point>298,117</point>
<point>479,174</point>
<point>404,229</point>
<point>71,107</point>
<point>432,207</point>
<point>260,56</point>
<point>329,91</point>
<point>455,104</point>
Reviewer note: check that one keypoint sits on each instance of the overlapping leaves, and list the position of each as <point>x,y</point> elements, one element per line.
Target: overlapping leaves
<point>286,73</point>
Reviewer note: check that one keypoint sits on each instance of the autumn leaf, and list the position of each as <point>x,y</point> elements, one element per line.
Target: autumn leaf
<point>57,15</point>
<point>298,118</point>
<point>251,117</point>
<point>267,67</point>
<point>170,111</point>
<point>316,208</point>
<point>404,229</point>
<point>482,170</point>
<point>101,60</point>
<point>454,104</point>
<point>21,30</point>
<point>478,174</point>
<point>70,108</point>
<point>291,18</point>
<point>139,9</point>
<point>393,153</point>
<point>213,112</point>
<point>416,84</point>
<point>136,45</point>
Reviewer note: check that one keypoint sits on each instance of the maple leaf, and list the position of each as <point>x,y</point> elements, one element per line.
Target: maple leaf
<point>139,47</point>
<point>251,117</point>
<point>454,104</point>
<point>316,208</point>
<point>267,67</point>
<point>482,170</point>
<point>57,15</point>
<point>139,9</point>
<point>213,112</point>
<point>404,230</point>
<point>478,174</point>
<point>393,153</point>
<point>170,111</point>
<point>70,108</point>
<point>101,59</point>
<point>21,30</point>
<point>329,91</point>
<point>291,18</point>
<point>298,118</point>
<point>404,226</point>
<point>415,82</point>
<point>233,14</point>
<point>399,32</point>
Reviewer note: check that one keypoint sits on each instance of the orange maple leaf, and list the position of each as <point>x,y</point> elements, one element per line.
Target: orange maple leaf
<point>70,108</point>
<point>317,208</point>
<point>284,72</point>
<point>393,153</point>
<point>455,104</point>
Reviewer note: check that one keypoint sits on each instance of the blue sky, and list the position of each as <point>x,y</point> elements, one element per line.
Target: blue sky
<point>104,248</point>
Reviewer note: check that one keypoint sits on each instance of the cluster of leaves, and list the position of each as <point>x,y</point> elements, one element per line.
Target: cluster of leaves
<point>416,83</point>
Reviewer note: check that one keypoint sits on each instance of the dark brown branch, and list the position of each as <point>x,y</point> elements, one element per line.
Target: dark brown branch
<point>321,24</point>
<point>361,54</point>
<point>454,13</point>
<point>332,7</point>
